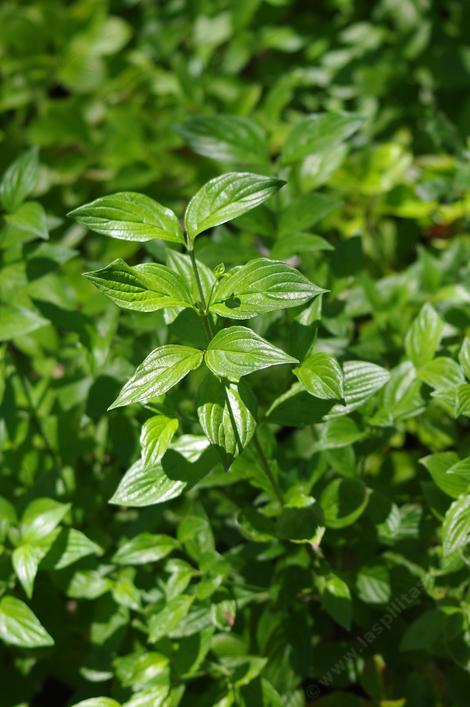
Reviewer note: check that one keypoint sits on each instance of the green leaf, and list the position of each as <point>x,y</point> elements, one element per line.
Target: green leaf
<point>40,518</point>
<point>131,217</point>
<point>322,376</point>
<point>144,548</point>
<point>183,266</point>
<point>18,321</point>
<point>142,288</point>
<point>19,180</point>
<point>464,356</point>
<point>451,475</point>
<point>462,400</point>
<point>441,373</point>
<point>261,286</point>
<point>145,486</point>
<point>361,381</point>
<point>237,351</point>
<point>336,600</point>
<point>373,584</point>
<point>318,133</point>
<point>456,526</point>
<point>20,627</point>
<point>304,212</point>
<point>227,414</point>
<point>68,547</point>
<point>343,501</point>
<point>424,336</point>
<point>224,198</point>
<point>168,619</point>
<point>155,438</point>
<point>163,368</point>
<point>226,138</point>
<point>426,632</point>
<point>26,559</point>
<point>30,220</point>
<point>292,244</point>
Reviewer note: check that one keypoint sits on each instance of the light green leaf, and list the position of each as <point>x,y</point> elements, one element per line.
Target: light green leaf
<point>343,501</point>
<point>155,438</point>
<point>131,217</point>
<point>68,547</point>
<point>224,198</point>
<point>361,381</point>
<point>144,548</point>
<point>451,475</point>
<point>19,180</point>
<point>163,368</point>
<point>237,351</point>
<point>183,266</point>
<point>40,518</point>
<point>261,286</point>
<point>168,619</point>
<point>424,336</point>
<point>464,356</point>
<point>291,244</point>
<point>29,220</point>
<point>20,627</point>
<point>226,138</point>
<point>462,400</point>
<point>227,414</point>
<point>441,373</point>
<point>322,376</point>
<point>26,559</point>
<point>456,526</point>
<point>18,321</point>
<point>319,133</point>
<point>142,288</point>
<point>336,600</point>
<point>145,486</point>
<point>304,212</point>
<point>373,584</point>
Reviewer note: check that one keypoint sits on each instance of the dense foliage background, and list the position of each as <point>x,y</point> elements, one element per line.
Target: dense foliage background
<point>223,596</point>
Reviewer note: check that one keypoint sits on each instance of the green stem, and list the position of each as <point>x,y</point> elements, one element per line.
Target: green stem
<point>267,470</point>
<point>209,333</point>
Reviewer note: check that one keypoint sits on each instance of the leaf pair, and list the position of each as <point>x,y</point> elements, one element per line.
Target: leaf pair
<point>136,217</point>
<point>232,353</point>
<point>260,286</point>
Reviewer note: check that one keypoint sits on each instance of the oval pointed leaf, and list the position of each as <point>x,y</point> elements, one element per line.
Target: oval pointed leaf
<point>424,336</point>
<point>163,368</point>
<point>144,548</point>
<point>361,381</point>
<point>261,286</point>
<point>343,501</point>
<point>226,138</point>
<point>19,180</point>
<point>143,288</point>
<point>227,414</point>
<point>155,438</point>
<point>238,351</point>
<point>322,376</point>
<point>20,627</point>
<point>130,216</point>
<point>319,133</point>
<point>26,559</point>
<point>226,197</point>
<point>456,526</point>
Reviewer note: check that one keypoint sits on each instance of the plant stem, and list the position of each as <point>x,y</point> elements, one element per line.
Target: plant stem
<point>209,333</point>
<point>266,469</point>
